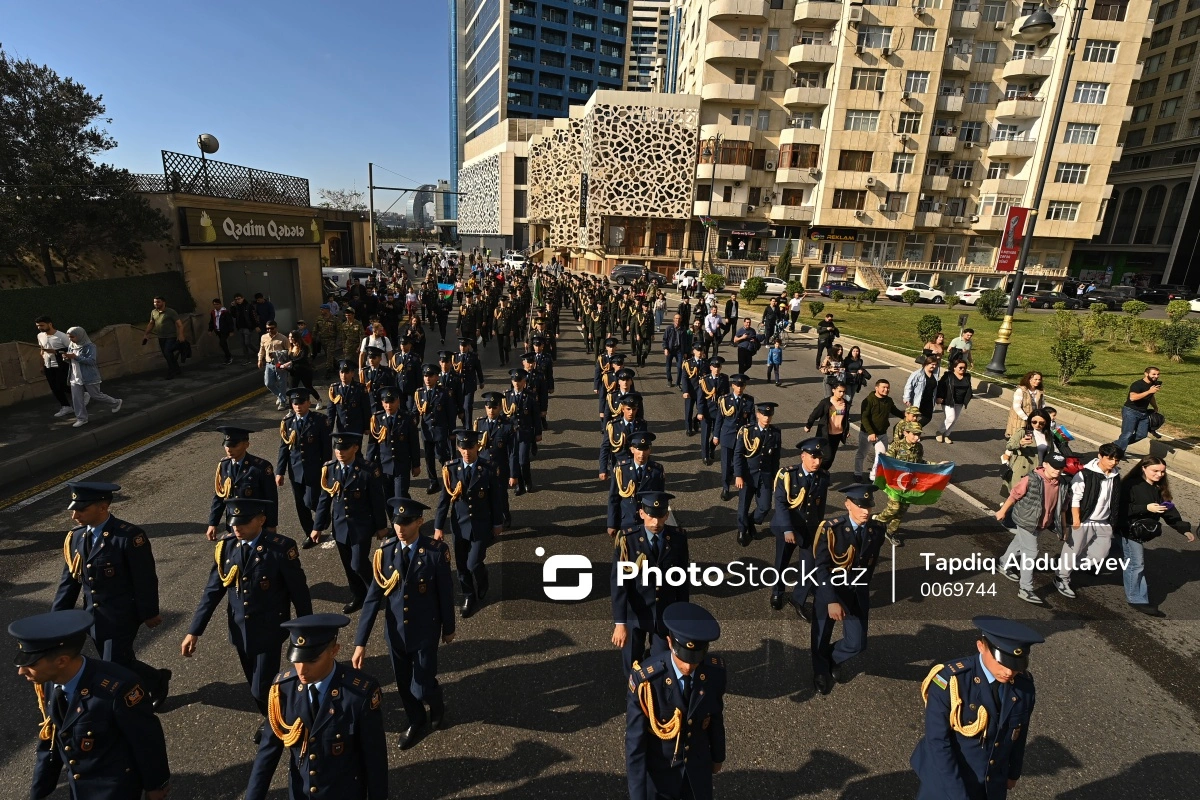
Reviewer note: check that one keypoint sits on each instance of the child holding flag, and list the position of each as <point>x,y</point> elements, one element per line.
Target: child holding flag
<point>900,473</point>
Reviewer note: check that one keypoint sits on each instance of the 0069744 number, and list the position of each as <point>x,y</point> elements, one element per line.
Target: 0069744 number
<point>958,589</point>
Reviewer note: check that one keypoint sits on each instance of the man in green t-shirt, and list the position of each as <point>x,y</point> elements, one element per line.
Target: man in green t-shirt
<point>167,327</point>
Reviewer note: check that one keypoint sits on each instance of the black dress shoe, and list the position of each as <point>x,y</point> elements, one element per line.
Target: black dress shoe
<point>802,610</point>
<point>352,606</point>
<point>160,700</point>
<point>840,675</point>
<point>743,538</point>
<point>520,490</point>
<point>308,543</point>
<point>777,602</point>
<point>431,490</point>
<point>707,461</point>
<point>412,735</point>
<point>258,733</point>
<point>1147,609</point>
<point>436,716</point>
<point>469,607</point>
<point>724,494</point>
<point>823,683</point>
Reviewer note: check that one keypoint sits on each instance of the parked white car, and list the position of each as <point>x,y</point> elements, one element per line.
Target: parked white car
<point>969,296</point>
<point>683,274</point>
<point>773,285</point>
<point>928,293</point>
<point>1194,304</point>
<point>514,261</point>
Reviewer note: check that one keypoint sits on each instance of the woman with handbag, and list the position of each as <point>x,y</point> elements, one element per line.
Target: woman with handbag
<point>954,392</point>
<point>1027,449</point>
<point>833,369</point>
<point>1145,504</point>
<point>1027,398</point>
<point>855,374</point>
<point>85,376</point>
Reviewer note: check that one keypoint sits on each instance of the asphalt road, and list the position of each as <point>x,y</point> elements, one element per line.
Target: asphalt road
<point>533,688</point>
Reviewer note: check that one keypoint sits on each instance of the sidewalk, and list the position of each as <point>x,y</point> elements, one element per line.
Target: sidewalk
<point>33,440</point>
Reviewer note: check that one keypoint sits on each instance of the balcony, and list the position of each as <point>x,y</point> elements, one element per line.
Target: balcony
<point>733,50</point>
<point>738,10</point>
<point>935,183</point>
<point>801,96</point>
<point>725,172</point>
<point>801,136</point>
<point>1011,148</point>
<point>803,54</point>
<point>950,103</point>
<point>964,20</point>
<point>717,208</point>
<point>816,12</point>
<point>729,93</point>
<point>989,222</point>
<point>802,176</point>
<point>942,144</point>
<point>1020,108</point>
<point>1009,186</point>
<point>928,219</point>
<point>790,214</point>
<point>731,133</point>
<point>1028,68</point>
<point>956,62</point>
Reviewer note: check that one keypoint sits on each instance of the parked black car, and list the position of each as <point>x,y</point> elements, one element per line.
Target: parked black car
<point>1048,299</point>
<point>623,274</point>
<point>1164,293</point>
<point>847,288</point>
<point>1114,297</point>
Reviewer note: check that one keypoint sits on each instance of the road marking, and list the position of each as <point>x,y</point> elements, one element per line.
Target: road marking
<point>59,482</point>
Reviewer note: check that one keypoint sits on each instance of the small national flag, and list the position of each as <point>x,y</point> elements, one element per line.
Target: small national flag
<point>446,289</point>
<point>915,484</point>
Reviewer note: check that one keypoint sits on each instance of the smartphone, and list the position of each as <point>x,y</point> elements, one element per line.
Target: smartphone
<point>1168,504</point>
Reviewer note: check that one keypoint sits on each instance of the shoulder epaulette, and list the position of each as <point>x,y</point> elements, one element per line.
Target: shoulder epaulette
<point>716,661</point>
<point>357,682</point>
<point>285,676</point>
<point>105,683</point>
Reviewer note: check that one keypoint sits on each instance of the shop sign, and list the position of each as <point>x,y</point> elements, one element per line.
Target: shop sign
<point>832,235</point>
<point>224,228</point>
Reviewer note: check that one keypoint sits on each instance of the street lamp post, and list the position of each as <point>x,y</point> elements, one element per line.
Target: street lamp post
<point>1039,22</point>
<point>712,149</point>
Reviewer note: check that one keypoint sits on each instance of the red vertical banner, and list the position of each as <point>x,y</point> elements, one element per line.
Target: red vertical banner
<point>1010,239</point>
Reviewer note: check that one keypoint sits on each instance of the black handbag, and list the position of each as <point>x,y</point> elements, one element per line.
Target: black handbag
<point>1144,529</point>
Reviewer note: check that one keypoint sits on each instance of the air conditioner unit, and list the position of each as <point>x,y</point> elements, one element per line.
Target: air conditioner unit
<point>870,182</point>
<point>737,183</point>
<point>1000,25</point>
<point>883,207</point>
<point>751,209</point>
<point>858,213</point>
<point>814,171</point>
<point>922,196</point>
<point>770,166</point>
<point>958,219</point>
<point>974,218</point>
<point>858,48</point>
<point>943,171</point>
<point>918,11</point>
<point>903,138</point>
<point>967,184</point>
<point>856,14</point>
<point>937,208</point>
<point>950,42</point>
<point>968,145</point>
<point>905,95</point>
<point>887,51</point>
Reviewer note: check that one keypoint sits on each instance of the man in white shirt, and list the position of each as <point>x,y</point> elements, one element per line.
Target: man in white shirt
<point>794,310</point>
<point>712,326</point>
<point>53,344</point>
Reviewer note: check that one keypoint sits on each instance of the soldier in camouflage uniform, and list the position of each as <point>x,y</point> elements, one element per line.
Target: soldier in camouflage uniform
<point>326,332</point>
<point>351,333</point>
<point>905,446</point>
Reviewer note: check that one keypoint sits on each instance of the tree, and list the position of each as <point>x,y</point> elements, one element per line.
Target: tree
<point>992,303</point>
<point>57,200</point>
<point>1178,338</point>
<point>952,300</point>
<point>754,287</point>
<point>783,267</point>
<point>815,307</point>
<point>714,281</point>
<point>1073,357</point>
<point>910,296</point>
<point>1177,310</point>
<point>342,199</point>
<point>928,326</point>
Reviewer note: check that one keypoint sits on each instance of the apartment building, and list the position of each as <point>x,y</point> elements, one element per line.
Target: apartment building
<point>891,139</point>
<point>649,39</point>
<point>1151,226</point>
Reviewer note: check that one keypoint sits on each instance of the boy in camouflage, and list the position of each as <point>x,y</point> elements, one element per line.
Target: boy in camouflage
<point>905,446</point>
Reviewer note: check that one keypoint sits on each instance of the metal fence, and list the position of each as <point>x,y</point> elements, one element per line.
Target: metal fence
<point>192,175</point>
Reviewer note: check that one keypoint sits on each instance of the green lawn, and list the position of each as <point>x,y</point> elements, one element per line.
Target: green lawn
<point>894,325</point>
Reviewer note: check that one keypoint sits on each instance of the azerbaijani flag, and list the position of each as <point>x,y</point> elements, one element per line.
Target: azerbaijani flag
<point>915,484</point>
<point>446,289</point>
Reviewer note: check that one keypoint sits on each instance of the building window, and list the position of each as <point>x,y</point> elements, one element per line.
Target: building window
<point>764,120</point>
<point>768,80</point>
<point>1154,63</point>
<point>994,12</point>
<point>1071,173</point>
<point>611,50</point>
<point>869,79</point>
<point>736,116</point>
<point>997,170</point>
<point>582,65</point>
<point>1168,108</point>
<point>810,37</point>
<point>947,249</point>
<point>749,34</point>
<point>1005,132</point>
<point>849,199</point>
<point>1080,133</point>
<point>525,9</point>
<point>859,120</point>
<point>1156,197</point>
<point>520,98</point>
<point>916,81</point>
<point>579,86</point>
<point>855,160</point>
<point>962,170</point>
<point>550,81</point>
<point>747,77</point>
<point>1166,11</point>
<point>979,92</point>
<point>610,71</point>
<point>1062,210</point>
<point>1020,52</point>
<point>585,22</point>
<point>1160,37</point>
<point>1100,50</point>
<point>520,31</point>
<point>792,197</point>
<point>1147,89</point>
<point>1164,133</point>
<point>520,204</point>
<point>924,38</point>
<point>578,43</point>
<point>910,122</point>
<point>773,38</point>
<point>874,36</point>
<point>970,131</point>
<point>755,195</point>
<point>550,102</point>
<point>985,53</point>
<point>1189,27</point>
<point>1178,80</point>
<point>809,80</point>
<point>902,163</point>
<point>1188,155</point>
<point>1111,10</point>
<point>802,119</point>
<point>612,29</point>
<point>996,205</point>
<point>799,156</point>
<point>519,75</point>
<point>1135,138</point>
<point>897,202</point>
<point>1090,92</point>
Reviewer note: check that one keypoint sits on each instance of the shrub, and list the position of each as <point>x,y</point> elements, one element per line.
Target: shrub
<point>1025,303</point>
<point>929,326</point>
<point>1064,323</point>
<point>714,281</point>
<point>1121,328</point>
<point>952,300</point>
<point>815,308</point>
<point>1098,308</point>
<point>795,286</point>
<point>1095,324</point>
<point>836,295</point>
<point>1177,310</point>
<point>1073,357</point>
<point>1134,308</point>
<point>754,287</point>
<point>1147,332</point>
<point>870,295</point>
<point>992,303</point>
<point>910,296</point>
<point>1177,338</point>
<point>1059,306</point>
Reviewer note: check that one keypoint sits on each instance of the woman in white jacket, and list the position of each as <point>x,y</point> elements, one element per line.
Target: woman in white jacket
<point>85,376</point>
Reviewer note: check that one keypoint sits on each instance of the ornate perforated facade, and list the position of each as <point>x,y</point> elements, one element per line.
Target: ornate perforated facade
<point>479,204</point>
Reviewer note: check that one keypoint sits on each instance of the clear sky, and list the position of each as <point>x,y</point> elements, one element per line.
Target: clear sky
<point>315,89</point>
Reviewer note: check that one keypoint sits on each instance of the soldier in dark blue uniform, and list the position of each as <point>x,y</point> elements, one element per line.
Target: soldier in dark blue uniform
<point>257,571</point>
<point>712,387</point>
<point>472,510</point>
<point>412,584</point>
<point>977,715</point>
<point>614,441</point>
<point>520,406</point>
<point>349,403</point>
<point>407,365</point>
<point>608,384</point>
<point>328,716</point>
<point>800,494</point>
<point>675,712</point>
<point>542,359</point>
<point>393,444</point>
<point>638,606</point>
<point>755,461</point>
<point>353,501</point>
<point>734,411</point>
<point>304,448</point>
<point>451,381</point>
<point>466,363</point>
<point>691,371</point>
<point>848,544</point>
<point>612,402</point>
<point>602,363</point>
<point>498,444</point>
<point>240,474</point>
<point>375,376</point>
<point>96,718</point>
<point>538,387</point>
<point>434,410</point>
<point>110,562</point>
<point>632,477</point>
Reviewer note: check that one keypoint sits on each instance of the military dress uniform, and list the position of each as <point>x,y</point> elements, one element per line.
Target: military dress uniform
<point>394,446</point>
<point>595,326</point>
<point>263,576</point>
<point>756,455</point>
<point>349,404</point>
<point>435,412</point>
<point>503,329</point>
<point>471,508</point>
<point>734,411</point>
<point>608,385</point>
<point>602,366</point>
<point>841,546</point>
<point>101,728</point>
<point>407,366</point>
<point>543,362</point>
<point>412,585</point>
<point>520,406</point>
<point>643,330</point>
<point>711,389</point>
<point>975,726</point>
<point>304,448</point>
<point>691,371</point>
<point>615,440</point>
<point>639,606</point>
<point>470,371</point>
<point>799,505</point>
<point>451,382</point>
<point>250,478</point>
<point>675,723</point>
<point>333,733</point>
<point>630,482</point>
<point>375,379</point>
<point>112,566</point>
<point>498,444</point>
<point>351,333</point>
<point>354,502</point>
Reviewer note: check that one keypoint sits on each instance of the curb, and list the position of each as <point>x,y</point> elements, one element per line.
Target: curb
<point>96,439</point>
